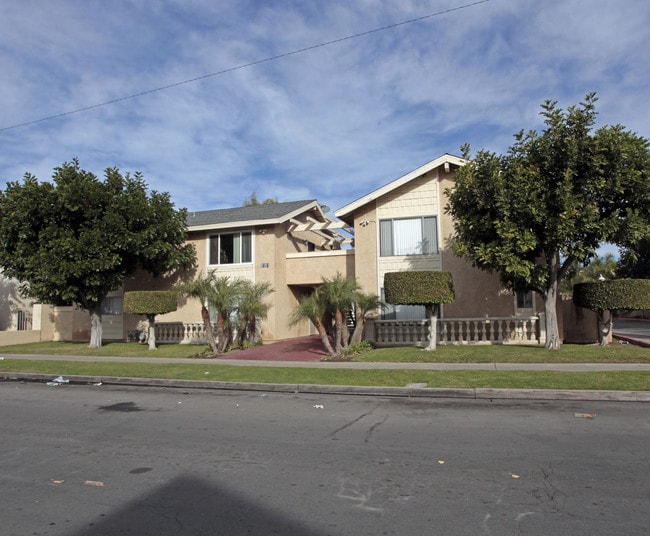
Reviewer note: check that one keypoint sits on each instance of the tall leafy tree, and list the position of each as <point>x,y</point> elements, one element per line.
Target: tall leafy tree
<point>75,239</point>
<point>532,213</point>
<point>635,260</point>
<point>598,269</point>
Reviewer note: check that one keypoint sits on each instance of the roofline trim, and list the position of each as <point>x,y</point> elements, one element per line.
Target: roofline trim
<point>375,194</point>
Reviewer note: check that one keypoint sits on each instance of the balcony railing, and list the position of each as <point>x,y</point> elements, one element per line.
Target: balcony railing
<point>483,330</point>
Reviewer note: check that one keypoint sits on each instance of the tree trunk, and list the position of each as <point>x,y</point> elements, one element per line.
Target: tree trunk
<point>252,329</point>
<point>605,327</point>
<point>224,334</point>
<point>151,335</point>
<point>324,337</point>
<point>242,334</point>
<point>357,334</point>
<point>337,334</point>
<point>207,326</point>
<point>553,341</point>
<point>552,328</point>
<point>96,331</point>
<point>433,328</point>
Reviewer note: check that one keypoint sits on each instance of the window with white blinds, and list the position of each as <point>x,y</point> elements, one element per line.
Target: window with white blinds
<point>408,236</point>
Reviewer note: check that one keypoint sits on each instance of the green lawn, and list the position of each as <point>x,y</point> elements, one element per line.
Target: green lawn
<point>569,353</point>
<point>216,371</point>
<point>629,381</point>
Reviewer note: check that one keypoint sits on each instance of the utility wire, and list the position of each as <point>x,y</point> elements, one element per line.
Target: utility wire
<point>244,65</point>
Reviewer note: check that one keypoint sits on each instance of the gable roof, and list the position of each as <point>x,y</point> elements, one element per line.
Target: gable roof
<point>250,215</point>
<point>346,213</point>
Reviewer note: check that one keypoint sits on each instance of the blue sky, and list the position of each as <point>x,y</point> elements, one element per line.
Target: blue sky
<point>332,123</point>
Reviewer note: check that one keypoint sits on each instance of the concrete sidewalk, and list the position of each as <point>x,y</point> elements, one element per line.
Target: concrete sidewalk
<point>410,391</point>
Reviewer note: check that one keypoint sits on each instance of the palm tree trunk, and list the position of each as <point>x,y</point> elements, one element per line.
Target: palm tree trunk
<point>224,333</point>
<point>357,334</point>
<point>207,326</point>
<point>320,327</point>
<point>338,332</point>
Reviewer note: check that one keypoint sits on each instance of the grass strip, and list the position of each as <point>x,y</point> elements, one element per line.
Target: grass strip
<point>611,380</point>
<point>569,353</point>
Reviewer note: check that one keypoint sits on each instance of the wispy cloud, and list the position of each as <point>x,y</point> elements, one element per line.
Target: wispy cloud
<point>332,123</point>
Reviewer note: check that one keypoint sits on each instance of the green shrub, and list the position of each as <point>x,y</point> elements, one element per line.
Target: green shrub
<point>150,302</point>
<point>422,287</point>
<point>358,348</point>
<point>618,294</point>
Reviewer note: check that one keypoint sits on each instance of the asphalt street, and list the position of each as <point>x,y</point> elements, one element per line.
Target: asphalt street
<point>97,460</point>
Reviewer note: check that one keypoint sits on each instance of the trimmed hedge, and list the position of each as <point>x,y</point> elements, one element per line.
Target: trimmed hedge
<point>613,295</point>
<point>421,287</point>
<point>150,302</point>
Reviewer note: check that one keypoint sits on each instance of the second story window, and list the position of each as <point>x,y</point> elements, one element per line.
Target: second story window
<point>408,236</point>
<point>231,248</point>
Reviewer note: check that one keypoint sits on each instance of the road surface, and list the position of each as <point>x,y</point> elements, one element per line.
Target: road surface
<point>92,460</point>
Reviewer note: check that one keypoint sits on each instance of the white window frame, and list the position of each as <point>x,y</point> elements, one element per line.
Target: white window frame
<point>237,255</point>
<point>391,245</point>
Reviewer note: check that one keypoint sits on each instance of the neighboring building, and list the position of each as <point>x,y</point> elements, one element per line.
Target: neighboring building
<point>399,226</point>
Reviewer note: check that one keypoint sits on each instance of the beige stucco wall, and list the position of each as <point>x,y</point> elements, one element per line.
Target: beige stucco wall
<point>477,292</point>
<point>271,247</point>
<point>419,197</point>
<point>366,245</point>
<point>310,268</point>
<point>64,323</point>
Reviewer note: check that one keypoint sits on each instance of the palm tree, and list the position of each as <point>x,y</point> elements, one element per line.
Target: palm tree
<point>200,289</point>
<point>363,304</point>
<point>252,308</point>
<point>223,297</point>
<point>338,294</point>
<point>313,308</point>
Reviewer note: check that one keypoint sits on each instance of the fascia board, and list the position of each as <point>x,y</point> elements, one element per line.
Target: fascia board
<point>348,209</point>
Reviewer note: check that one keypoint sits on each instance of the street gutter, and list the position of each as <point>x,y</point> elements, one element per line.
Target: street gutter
<point>405,392</point>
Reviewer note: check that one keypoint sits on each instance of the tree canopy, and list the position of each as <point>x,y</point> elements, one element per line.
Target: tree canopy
<point>253,201</point>
<point>551,200</point>
<point>75,239</point>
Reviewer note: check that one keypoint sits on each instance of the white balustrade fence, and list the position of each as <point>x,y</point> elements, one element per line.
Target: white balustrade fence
<point>483,330</point>
<point>181,332</point>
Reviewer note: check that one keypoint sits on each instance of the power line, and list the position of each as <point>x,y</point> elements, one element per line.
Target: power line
<point>243,66</point>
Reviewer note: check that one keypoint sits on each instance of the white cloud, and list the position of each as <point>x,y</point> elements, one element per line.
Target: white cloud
<point>332,123</point>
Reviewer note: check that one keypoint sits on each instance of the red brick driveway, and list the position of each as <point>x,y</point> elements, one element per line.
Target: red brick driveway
<point>298,349</point>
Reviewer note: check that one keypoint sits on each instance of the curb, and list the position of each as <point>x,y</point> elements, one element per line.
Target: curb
<point>404,392</point>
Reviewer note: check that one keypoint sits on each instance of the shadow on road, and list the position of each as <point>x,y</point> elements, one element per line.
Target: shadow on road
<point>190,505</point>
